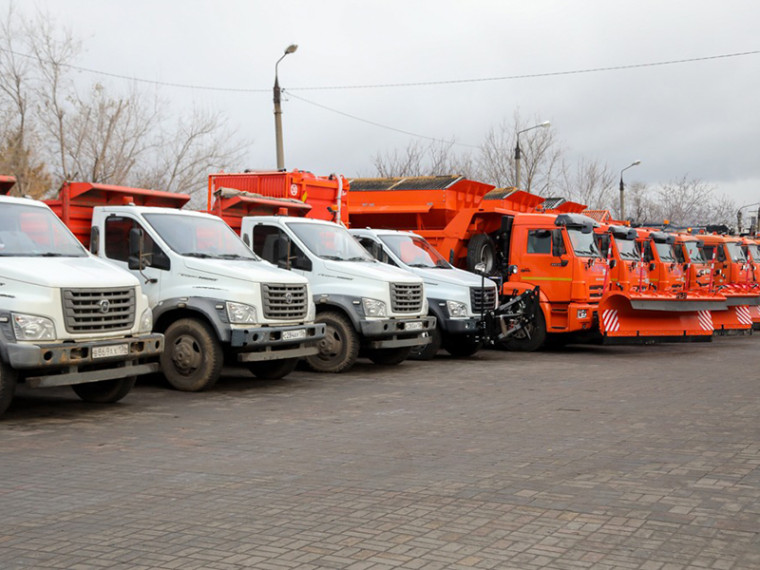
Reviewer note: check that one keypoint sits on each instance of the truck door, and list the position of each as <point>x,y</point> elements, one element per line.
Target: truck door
<point>546,263</point>
<point>116,247</point>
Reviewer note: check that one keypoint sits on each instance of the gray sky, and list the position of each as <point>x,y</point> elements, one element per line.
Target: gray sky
<point>698,118</point>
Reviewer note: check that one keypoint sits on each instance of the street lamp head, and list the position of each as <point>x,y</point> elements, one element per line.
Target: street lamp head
<point>545,124</point>
<point>635,163</point>
<point>291,48</point>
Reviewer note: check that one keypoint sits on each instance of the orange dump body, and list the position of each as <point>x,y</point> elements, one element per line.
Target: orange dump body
<point>292,193</point>
<point>76,200</point>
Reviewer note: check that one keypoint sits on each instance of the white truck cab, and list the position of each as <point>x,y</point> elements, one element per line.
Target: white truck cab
<point>457,299</point>
<point>369,308</point>
<point>66,317</point>
<point>211,296</point>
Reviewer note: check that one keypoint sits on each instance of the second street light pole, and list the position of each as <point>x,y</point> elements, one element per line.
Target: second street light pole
<point>622,188</point>
<point>278,111</point>
<point>518,152</point>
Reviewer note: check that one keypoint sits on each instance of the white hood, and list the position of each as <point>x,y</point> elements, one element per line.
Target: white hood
<point>452,276</point>
<point>65,272</point>
<point>246,270</point>
<point>370,270</point>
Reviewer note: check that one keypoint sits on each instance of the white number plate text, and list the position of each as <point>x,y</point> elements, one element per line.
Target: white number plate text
<point>294,335</point>
<point>112,350</point>
<point>413,326</point>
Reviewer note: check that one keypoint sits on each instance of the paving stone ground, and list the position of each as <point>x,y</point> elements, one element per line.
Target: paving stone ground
<point>643,458</point>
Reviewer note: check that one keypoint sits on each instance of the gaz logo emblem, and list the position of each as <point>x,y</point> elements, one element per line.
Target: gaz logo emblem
<point>293,190</point>
<point>104,305</point>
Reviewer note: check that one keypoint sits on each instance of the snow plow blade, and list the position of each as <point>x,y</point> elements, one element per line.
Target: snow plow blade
<point>635,319</point>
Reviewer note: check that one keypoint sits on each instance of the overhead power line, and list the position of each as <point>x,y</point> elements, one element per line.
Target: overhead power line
<point>398,85</point>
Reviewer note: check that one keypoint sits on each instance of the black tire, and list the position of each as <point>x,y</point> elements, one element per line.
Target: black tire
<point>481,249</point>
<point>339,348</point>
<point>461,347</point>
<point>8,381</point>
<point>428,351</point>
<point>273,369</point>
<point>389,356</point>
<point>192,359</point>
<point>530,338</point>
<point>106,391</point>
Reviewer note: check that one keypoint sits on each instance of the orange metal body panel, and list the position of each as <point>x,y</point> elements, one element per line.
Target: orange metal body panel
<point>76,200</point>
<point>320,192</point>
<point>6,183</point>
<point>633,306</point>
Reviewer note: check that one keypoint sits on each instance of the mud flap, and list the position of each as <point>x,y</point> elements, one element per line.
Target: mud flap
<point>651,321</point>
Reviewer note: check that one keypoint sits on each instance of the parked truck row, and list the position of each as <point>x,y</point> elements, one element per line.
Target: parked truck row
<point>103,283</point>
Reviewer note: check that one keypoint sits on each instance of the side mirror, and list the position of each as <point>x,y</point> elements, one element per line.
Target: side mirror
<point>136,259</point>
<point>652,266</point>
<point>686,266</point>
<point>512,269</point>
<point>94,239</point>
<point>613,263</point>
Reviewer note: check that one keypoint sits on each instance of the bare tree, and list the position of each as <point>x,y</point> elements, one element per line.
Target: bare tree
<point>188,153</point>
<point>587,182</point>
<point>95,134</point>
<point>435,159</point>
<point>540,157</point>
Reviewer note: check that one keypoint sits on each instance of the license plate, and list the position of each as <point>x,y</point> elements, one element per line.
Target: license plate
<point>417,326</point>
<point>294,335</point>
<point>110,350</point>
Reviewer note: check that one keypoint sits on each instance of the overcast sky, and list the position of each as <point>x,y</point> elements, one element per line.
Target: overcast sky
<point>697,119</point>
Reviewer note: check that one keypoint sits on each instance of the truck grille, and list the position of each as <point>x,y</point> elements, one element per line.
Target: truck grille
<point>482,299</point>
<point>98,310</point>
<point>406,297</point>
<point>285,302</point>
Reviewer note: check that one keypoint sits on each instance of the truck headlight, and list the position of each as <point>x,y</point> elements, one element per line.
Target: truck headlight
<point>456,309</point>
<point>32,327</point>
<point>240,313</point>
<point>373,307</point>
<point>582,313</point>
<point>146,321</point>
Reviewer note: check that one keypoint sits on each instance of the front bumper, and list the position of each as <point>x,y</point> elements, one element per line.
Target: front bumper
<point>396,333</point>
<point>81,362</point>
<point>275,343</point>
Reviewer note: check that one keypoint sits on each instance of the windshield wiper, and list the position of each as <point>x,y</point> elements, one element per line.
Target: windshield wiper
<point>332,257</point>
<point>197,254</point>
<point>423,265</point>
<point>234,256</point>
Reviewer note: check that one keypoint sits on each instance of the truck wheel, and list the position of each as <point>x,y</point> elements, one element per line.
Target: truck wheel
<point>461,347</point>
<point>529,338</point>
<point>192,359</point>
<point>274,369</point>
<point>428,351</point>
<point>481,249</point>
<point>389,356</point>
<point>339,349</point>
<point>105,392</point>
<point>8,380</point>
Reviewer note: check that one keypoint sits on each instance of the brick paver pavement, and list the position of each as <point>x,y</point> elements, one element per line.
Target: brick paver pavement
<point>596,457</point>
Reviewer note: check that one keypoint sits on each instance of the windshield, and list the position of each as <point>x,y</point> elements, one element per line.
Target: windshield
<point>665,251</point>
<point>32,231</point>
<point>754,251</point>
<point>196,236</point>
<point>735,249</point>
<point>330,242</point>
<point>584,245</point>
<point>694,251</point>
<point>414,251</point>
<point>628,248</point>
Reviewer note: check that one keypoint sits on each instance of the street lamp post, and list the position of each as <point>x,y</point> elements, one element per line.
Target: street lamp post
<point>278,110</point>
<point>518,152</point>
<point>622,188</point>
